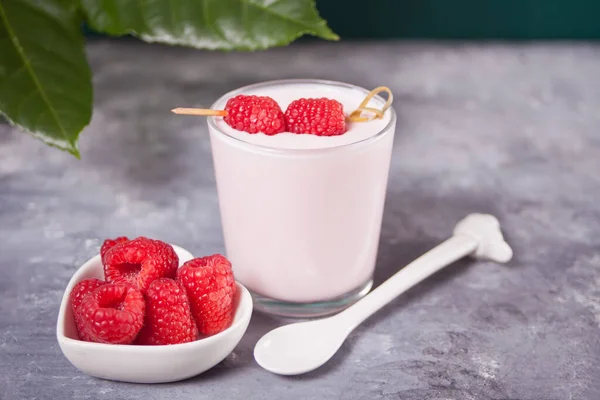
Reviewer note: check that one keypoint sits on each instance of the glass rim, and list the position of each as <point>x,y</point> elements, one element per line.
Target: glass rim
<point>304,151</point>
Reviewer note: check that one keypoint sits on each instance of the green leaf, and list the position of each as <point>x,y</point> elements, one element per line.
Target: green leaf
<point>45,81</point>
<point>209,24</point>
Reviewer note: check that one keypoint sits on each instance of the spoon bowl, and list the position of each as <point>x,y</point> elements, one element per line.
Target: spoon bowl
<point>296,348</point>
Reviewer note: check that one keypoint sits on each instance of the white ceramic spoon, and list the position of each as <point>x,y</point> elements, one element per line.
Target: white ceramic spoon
<point>302,347</point>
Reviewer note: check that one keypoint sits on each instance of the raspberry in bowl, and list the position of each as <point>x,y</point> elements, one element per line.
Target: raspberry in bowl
<point>139,325</point>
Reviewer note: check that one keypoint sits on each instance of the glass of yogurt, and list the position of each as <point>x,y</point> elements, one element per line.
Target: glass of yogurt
<point>301,213</point>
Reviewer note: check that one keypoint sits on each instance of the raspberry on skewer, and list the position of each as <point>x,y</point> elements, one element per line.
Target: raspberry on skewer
<point>250,114</point>
<point>321,117</point>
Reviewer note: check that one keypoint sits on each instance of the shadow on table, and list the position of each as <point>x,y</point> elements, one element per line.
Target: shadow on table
<point>406,213</point>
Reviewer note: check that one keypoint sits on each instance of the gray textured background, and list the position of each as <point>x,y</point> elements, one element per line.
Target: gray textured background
<point>510,130</point>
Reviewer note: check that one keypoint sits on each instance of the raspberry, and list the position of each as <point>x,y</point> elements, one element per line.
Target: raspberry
<point>322,117</point>
<point>210,287</point>
<point>140,261</point>
<point>112,314</point>
<point>254,114</point>
<point>168,315</point>
<point>81,289</point>
<point>109,244</point>
<point>76,297</point>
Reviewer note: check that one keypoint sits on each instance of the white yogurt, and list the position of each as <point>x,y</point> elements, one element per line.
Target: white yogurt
<point>301,214</point>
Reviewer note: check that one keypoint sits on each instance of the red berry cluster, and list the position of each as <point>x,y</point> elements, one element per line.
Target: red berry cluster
<point>146,299</point>
<point>253,114</point>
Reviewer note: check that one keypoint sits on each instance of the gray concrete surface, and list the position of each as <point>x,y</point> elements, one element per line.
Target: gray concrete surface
<point>509,129</point>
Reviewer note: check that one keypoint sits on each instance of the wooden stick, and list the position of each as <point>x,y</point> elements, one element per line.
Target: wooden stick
<point>199,111</point>
<point>356,115</point>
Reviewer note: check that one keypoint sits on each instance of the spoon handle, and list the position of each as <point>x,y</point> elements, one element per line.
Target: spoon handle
<point>435,259</point>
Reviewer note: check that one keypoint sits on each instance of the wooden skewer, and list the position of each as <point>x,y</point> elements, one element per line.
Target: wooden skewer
<point>199,111</point>
<point>354,116</point>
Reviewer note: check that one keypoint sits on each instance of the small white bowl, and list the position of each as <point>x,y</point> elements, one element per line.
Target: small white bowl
<point>147,364</point>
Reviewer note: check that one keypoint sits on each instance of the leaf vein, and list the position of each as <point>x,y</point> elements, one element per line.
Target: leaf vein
<point>211,26</point>
<point>140,5</point>
<point>309,28</point>
<point>28,67</point>
<point>25,99</point>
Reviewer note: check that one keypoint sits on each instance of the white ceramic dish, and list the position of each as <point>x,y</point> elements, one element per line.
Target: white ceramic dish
<point>147,364</point>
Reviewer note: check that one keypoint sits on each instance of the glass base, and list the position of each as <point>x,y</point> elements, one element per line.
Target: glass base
<point>309,310</point>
